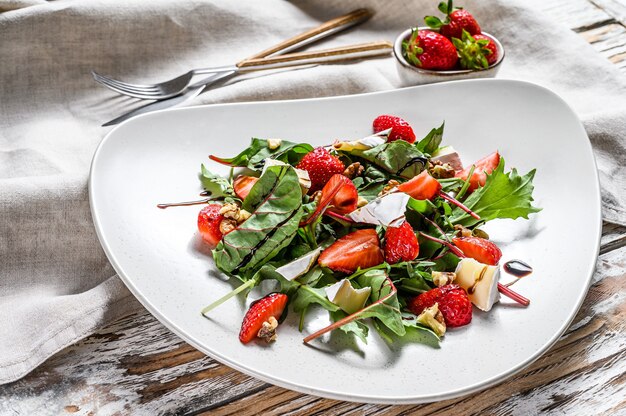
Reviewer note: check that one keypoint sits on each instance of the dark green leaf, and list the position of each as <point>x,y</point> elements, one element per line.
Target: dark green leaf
<point>275,202</point>
<point>432,141</point>
<point>398,158</point>
<point>254,155</point>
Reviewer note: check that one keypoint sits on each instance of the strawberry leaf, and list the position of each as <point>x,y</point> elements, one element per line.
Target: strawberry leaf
<point>433,22</point>
<point>275,202</point>
<point>505,195</point>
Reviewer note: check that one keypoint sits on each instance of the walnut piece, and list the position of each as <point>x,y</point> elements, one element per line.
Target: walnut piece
<point>440,170</point>
<point>390,185</point>
<point>268,331</point>
<point>361,202</point>
<point>443,278</point>
<point>462,231</point>
<point>233,212</point>
<point>433,319</point>
<point>274,144</point>
<point>227,225</point>
<point>355,169</point>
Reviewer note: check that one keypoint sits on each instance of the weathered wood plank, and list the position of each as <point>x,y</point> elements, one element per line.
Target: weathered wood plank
<point>578,15</point>
<point>610,41</point>
<point>614,8</point>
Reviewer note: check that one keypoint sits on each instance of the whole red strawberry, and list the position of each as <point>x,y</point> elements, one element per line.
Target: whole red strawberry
<point>457,20</point>
<point>453,301</point>
<point>264,310</point>
<point>400,129</point>
<point>321,166</point>
<point>209,219</point>
<point>401,244</point>
<point>430,50</point>
<point>479,249</point>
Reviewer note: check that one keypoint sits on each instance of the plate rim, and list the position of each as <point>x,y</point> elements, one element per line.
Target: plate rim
<point>320,392</point>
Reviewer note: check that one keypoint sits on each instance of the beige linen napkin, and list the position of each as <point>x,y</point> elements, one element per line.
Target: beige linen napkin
<point>56,285</point>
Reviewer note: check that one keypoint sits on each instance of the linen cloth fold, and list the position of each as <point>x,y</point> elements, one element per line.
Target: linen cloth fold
<point>56,285</point>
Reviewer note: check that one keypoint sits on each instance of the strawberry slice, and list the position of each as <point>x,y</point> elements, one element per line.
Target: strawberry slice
<point>484,166</point>
<point>423,186</point>
<point>359,249</point>
<point>479,249</point>
<point>265,310</point>
<point>453,301</point>
<point>401,244</point>
<point>339,195</point>
<point>242,185</point>
<point>209,219</point>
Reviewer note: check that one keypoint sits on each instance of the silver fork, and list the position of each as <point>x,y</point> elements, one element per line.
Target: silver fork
<point>178,85</point>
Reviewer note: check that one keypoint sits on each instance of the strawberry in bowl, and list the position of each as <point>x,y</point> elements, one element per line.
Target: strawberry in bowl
<point>449,49</point>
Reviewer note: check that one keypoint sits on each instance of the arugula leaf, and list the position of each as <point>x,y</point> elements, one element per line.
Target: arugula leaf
<point>505,195</point>
<point>215,184</point>
<point>409,320</point>
<point>357,328</point>
<point>399,158</point>
<point>307,295</point>
<point>432,141</point>
<point>275,202</point>
<point>254,155</point>
<point>385,306</point>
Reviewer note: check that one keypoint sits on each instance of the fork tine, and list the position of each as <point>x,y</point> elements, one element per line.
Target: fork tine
<point>142,95</point>
<point>122,84</point>
<point>129,87</point>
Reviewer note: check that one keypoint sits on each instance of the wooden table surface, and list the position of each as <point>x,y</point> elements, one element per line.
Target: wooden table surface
<point>137,366</point>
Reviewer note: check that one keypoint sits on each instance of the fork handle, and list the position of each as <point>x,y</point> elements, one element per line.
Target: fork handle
<point>325,29</point>
<point>344,53</point>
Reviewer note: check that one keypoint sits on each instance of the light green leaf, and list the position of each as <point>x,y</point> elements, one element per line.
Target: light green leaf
<point>384,306</point>
<point>216,185</point>
<point>307,295</point>
<point>505,195</point>
<point>357,328</point>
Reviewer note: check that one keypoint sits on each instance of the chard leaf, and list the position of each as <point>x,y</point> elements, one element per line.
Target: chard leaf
<point>216,185</point>
<point>505,195</point>
<point>254,155</point>
<point>399,158</point>
<point>275,202</point>
<point>357,328</point>
<point>307,295</point>
<point>432,141</point>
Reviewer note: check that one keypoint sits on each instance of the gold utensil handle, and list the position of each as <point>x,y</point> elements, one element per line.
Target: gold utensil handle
<point>333,25</point>
<point>351,52</point>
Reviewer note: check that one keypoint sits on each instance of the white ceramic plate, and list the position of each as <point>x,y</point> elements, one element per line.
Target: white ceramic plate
<point>156,158</point>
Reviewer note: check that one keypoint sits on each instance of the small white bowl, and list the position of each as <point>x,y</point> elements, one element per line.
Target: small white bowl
<point>412,75</point>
